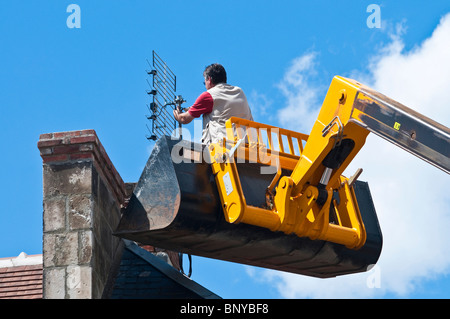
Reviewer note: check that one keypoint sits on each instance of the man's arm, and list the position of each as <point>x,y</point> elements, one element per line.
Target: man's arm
<point>183,118</point>
<point>203,104</point>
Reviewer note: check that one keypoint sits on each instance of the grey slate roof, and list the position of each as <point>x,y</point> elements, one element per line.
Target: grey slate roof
<point>142,275</point>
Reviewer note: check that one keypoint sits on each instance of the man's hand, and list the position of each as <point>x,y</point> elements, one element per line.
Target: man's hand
<point>183,118</point>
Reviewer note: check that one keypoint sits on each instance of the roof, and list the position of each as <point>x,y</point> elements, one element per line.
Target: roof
<point>142,274</point>
<point>21,277</point>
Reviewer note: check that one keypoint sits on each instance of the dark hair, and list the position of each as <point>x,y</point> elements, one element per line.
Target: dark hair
<point>216,72</point>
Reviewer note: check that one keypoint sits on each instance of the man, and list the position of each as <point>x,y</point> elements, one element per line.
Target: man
<point>220,102</point>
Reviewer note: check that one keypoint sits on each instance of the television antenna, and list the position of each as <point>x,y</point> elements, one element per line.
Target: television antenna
<point>164,100</point>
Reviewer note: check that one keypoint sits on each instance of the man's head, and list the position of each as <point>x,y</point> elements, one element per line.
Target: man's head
<point>214,74</point>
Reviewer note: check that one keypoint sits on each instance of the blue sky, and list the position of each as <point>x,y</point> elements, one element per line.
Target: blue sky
<point>284,55</point>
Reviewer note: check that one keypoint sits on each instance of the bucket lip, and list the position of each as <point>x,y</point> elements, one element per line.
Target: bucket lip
<point>148,196</point>
<point>340,262</point>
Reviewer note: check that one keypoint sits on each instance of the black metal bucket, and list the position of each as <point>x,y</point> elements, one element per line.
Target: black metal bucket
<point>176,206</point>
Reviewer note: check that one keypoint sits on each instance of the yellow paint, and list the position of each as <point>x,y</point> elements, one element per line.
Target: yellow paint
<point>295,208</point>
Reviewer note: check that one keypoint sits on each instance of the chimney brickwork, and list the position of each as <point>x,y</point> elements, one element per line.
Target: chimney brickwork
<point>82,198</point>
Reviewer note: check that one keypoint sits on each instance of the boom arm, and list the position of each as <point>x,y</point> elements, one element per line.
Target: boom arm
<point>351,110</point>
<point>315,200</point>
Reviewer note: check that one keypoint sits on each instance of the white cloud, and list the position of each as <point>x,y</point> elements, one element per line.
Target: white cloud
<point>302,98</point>
<point>419,78</point>
<point>411,196</point>
<point>261,106</point>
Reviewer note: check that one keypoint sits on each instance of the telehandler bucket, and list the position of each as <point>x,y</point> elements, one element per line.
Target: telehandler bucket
<point>176,205</point>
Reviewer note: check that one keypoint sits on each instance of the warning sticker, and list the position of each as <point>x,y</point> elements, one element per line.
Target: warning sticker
<point>227,183</point>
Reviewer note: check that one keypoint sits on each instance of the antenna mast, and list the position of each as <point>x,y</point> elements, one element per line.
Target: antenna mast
<point>164,100</point>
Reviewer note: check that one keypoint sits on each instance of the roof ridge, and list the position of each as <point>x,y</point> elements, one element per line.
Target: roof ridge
<point>22,260</point>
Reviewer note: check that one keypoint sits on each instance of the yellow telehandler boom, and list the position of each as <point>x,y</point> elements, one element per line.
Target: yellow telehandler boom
<point>274,198</point>
<point>302,200</point>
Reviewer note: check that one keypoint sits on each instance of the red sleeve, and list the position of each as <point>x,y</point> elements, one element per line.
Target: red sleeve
<point>203,104</point>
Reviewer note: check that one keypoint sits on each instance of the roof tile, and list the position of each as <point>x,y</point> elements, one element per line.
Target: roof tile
<point>22,281</point>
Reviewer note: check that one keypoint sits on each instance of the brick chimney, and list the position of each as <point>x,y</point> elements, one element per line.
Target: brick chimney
<point>82,197</point>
